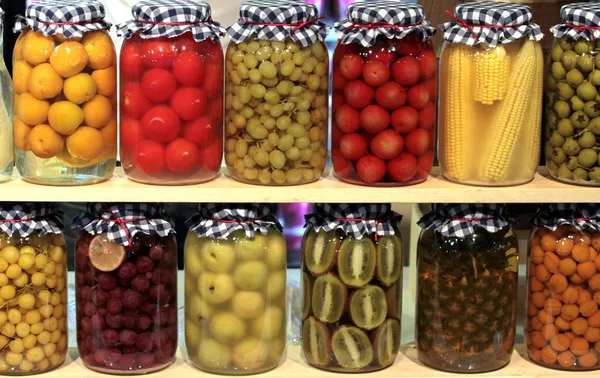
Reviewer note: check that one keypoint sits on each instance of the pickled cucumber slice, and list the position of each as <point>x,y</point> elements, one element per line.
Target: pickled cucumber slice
<point>393,296</point>
<point>368,307</point>
<point>320,250</point>
<point>356,261</point>
<point>351,347</point>
<point>329,298</point>
<point>316,342</point>
<point>386,341</point>
<point>306,287</point>
<point>389,259</point>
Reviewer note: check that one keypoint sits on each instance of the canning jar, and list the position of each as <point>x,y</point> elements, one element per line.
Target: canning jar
<point>6,100</point>
<point>126,289</point>
<point>573,107</point>
<point>351,287</point>
<point>276,94</point>
<point>33,289</point>
<point>466,288</point>
<point>385,95</point>
<point>562,327</point>
<point>171,93</point>
<point>235,284</point>
<point>491,80</point>
<point>65,103</point>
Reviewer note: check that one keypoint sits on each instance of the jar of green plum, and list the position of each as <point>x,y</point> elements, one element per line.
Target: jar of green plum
<point>572,124</point>
<point>277,94</point>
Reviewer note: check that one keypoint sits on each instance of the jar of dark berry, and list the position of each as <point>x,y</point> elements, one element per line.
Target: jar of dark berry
<point>126,273</point>
<point>384,95</point>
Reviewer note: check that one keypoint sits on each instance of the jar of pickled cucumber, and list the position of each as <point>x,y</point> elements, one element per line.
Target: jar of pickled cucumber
<point>277,89</point>
<point>126,289</point>
<point>65,103</point>
<point>235,289</point>
<point>562,327</point>
<point>572,122</point>
<point>385,95</point>
<point>6,100</point>
<point>172,93</point>
<point>491,81</point>
<point>467,288</point>
<point>351,287</point>
<point>33,289</point>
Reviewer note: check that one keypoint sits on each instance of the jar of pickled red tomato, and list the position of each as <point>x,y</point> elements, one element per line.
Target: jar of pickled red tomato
<point>126,289</point>
<point>384,95</point>
<point>466,288</point>
<point>351,287</point>
<point>277,90</point>
<point>65,78</point>
<point>33,289</point>
<point>562,327</point>
<point>491,81</point>
<point>171,93</point>
<point>6,100</point>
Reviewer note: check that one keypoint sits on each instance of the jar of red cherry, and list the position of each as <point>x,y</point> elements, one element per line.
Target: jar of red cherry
<point>171,93</point>
<point>126,273</point>
<point>384,95</point>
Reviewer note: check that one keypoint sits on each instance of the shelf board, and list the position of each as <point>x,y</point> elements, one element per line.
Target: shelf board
<point>436,189</point>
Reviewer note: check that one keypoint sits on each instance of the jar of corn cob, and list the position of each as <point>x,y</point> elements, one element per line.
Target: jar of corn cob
<point>572,124</point>
<point>491,79</point>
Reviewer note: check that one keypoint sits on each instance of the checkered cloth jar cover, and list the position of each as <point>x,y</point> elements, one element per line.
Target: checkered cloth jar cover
<point>584,216</point>
<point>24,219</point>
<point>580,20</point>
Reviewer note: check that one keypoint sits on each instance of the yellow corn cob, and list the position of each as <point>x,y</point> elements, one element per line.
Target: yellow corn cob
<point>492,68</point>
<point>509,120</point>
<point>533,120</point>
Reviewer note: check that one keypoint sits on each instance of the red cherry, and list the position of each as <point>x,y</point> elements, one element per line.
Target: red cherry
<point>391,95</point>
<point>425,164</point>
<point>351,66</point>
<point>358,94</point>
<point>213,82</point>
<point>212,156</point>
<point>201,132</point>
<point>428,62</point>
<point>182,155</point>
<point>418,96</point>
<point>339,83</point>
<point>371,169</point>
<point>158,84</point>
<point>189,69</point>
<point>374,119</point>
<point>149,156</point>
<point>406,71</point>
<point>347,119</point>
<point>427,117</point>
<point>131,132</point>
<point>131,61</point>
<point>353,146</point>
<point>403,168</point>
<point>376,73</point>
<point>417,142</point>
<point>134,101</point>
<point>189,103</point>
<point>158,53</point>
<point>161,124</point>
<point>405,120</point>
<point>387,144</point>
<point>341,165</point>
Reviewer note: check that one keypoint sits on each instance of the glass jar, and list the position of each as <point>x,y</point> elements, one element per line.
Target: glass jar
<point>235,303</point>
<point>466,300</point>
<point>6,109</point>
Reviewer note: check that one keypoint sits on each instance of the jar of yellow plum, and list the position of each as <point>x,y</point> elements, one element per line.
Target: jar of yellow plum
<point>6,94</point>
<point>33,289</point>
<point>64,70</point>
<point>235,283</point>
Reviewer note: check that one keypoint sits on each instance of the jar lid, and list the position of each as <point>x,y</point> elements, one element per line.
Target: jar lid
<point>463,220</point>
<point>24,219</point>
<point>583,216</point>
<point>356,220</point>
<point>170,19</point>
<point>69,18</point>
<point>121,221</point>
<point>1,20</point>
<point>218,221</point>
<point>276,20</point>
<point>491,23</point>
<point>580,20</point>
<point>368,21</point>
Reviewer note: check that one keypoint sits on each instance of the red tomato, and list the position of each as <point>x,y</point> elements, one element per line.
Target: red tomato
<point>418,96</point>
<point>387,144</point>
<point>212,156</point>
<point>189,103</point>
<point>213,82</point>
<point>371,169</point>
<point>417,142</point>
<point>382,54</point>
<point>214,52</point>
<point>158,53</point>
<point>201,132</point>
<point>375,73</point>
<point>341,166</point>
<point>358,94</point>
<point>336,133</point>
<point>391,95</point>
<point>403,168</point>
<point>182,156</point>
<point>405,120</point>
<point>427,117</point>
<point>374,119</point>
<point>428,62</point>
<point>431,86</point>
<point>131,132</point>
<point>347,119</point>
<point>406,71</point>
<point>186,42</point>
<point>353,146</point>
<point>158,84</point>
<point>339,83</point>
<point>134,102</point>
<point>351,66</point>
<point>216,110</point>
<point>337,100</point>
<point>149,156</point>
<point>189,69</point>
<point>161,124</point>
<point>425,164</point>
<point>408,48</point>
<point>131,61</point>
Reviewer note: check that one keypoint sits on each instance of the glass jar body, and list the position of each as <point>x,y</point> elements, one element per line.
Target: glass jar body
<point>171,109</point>
<point>34,296</point>
<point>467,300</point>
<point>65,106</point>
<point>384,111</point>
<point>490,113</point>
<point>235,310</point>
<point>277,109</point>
<point>6,134</point>
<point>127,317</point>
<point>343,338</point>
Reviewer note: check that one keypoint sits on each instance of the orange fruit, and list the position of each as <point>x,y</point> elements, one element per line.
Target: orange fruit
<point>576,279</point>
<point>535,241</point>
<point>21,134</point>
<point>45,142</point>
<point>584,295</point>
<point>532,310</point>
<point>109,133</point>
<point>567,267</point>
<point>581,253</point>
<point>549,355</point>
<point>564,247</point>
<point>562,324</point>
<point>31,110</point>
<point>548,242</point>
<point>21,72</point>
<point>570,296</point>
<point>551,261</point>
<point>18,50</point>
<point>85,143</point>
<point>36,48</point>
<point>65,117</point>
<point>593,253</point>
<point>558,283</point>
<point>579,346</point>
<point>44,83</point>
<point>100,49</point>
<point>538,299</point>
<point>549,331</point>
<point>535,284</point>
<point>105,255</point>
<point>592,335</point>
<point>61,38</point>
<point>536,324</point>
<point>566,359</point>
<point>586,270</point>
<point>106,81</point>
<point>560,343</point>
<point>579,326</point>
<point>69,58</point>
<point>537,255</point>
<point>80,88</point>
<point>544,317</point>
<point>72,162</point>
<point>595,241</point>
<point>537,340</point>
<point>589,359</point>
<point>97,112</point>
<point>569,312</point>
<point>552,306</point>
<point>542,273</point>
<point>534,354</point>
<point>588,308</point>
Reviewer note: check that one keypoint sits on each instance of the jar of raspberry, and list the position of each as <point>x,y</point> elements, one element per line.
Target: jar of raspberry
<point>171,93</point>
<point>384,95</point>
<point>126,272</point>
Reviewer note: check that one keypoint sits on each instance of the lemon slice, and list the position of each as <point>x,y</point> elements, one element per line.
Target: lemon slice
<point>105,255</point>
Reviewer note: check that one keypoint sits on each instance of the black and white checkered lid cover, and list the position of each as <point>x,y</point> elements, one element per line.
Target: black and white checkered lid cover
<point>490,23</point>
<point>121,221</point>
<point>170,19</point>
<point>69,18</point>
<point>463,220</point>
<point>1,20</point>
<point>220,220</point>
<point>277,20</point>
<point>369,20</point>
<point>584,216</point>
<point>356,220</point>
<point>23,219</point>
<point>580,20</point>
